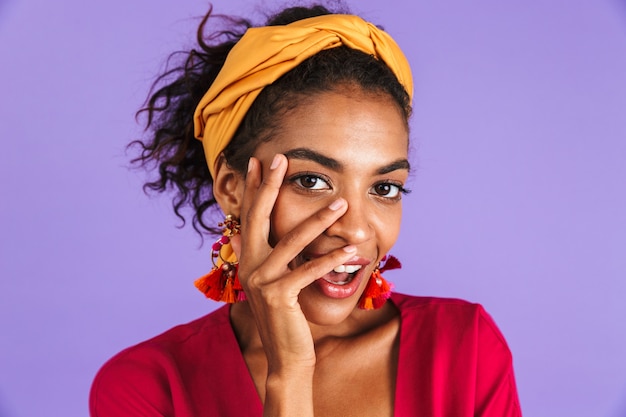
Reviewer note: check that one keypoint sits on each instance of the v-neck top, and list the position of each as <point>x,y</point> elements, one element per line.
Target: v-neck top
<point>453,362</point>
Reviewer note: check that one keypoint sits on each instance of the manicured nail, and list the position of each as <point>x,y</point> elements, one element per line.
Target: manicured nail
<point>337,204</point>
<point>250,164</point>
<point>275,162</point>
<point>349,248</point>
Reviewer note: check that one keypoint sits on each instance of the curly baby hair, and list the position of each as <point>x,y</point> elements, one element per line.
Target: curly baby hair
<point>170,145</point>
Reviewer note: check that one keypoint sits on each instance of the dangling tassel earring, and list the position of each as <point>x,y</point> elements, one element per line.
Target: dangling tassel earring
<point>378,289</point>
<point>222,283</point>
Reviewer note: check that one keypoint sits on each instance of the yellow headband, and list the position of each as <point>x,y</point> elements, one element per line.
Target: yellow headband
<point>264,54</point>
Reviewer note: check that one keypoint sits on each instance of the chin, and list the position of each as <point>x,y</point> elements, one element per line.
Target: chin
<point>321,310</point>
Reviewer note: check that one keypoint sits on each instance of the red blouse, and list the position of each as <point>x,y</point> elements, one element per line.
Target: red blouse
<point>453,362</point>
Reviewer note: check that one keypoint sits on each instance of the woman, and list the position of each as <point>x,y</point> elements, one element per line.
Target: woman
<point>303,139</point>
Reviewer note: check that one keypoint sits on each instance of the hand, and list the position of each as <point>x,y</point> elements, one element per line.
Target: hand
<point>271,287</point>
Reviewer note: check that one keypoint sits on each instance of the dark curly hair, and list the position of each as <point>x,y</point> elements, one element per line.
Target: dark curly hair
<point>179,156</point>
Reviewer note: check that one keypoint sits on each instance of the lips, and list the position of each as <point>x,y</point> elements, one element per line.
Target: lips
<point>344,280</point>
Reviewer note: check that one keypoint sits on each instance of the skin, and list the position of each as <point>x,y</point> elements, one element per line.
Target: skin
<point>324,191</point>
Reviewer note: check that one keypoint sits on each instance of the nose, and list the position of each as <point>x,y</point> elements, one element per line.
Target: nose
<point>354,227</point>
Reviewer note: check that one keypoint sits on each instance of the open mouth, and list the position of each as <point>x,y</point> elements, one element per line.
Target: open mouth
<point>342,274</point>
<point>342,281</point>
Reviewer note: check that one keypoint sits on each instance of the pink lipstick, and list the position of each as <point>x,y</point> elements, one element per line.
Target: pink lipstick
<point>344,280</point>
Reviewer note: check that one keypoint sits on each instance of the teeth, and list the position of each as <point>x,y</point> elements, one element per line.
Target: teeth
<point>339,269</point>
<point>350,269</point>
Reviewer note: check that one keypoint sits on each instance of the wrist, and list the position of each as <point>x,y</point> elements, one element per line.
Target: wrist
<point>289,393</point>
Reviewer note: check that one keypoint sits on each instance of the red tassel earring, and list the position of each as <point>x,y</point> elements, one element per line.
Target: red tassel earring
<point>378,289</point>
<point>222,282</point>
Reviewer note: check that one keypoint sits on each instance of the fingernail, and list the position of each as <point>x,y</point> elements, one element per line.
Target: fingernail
<point>349,248</point>
<point>275,162</point>
<point>250,164</point>
<point>337,204</point>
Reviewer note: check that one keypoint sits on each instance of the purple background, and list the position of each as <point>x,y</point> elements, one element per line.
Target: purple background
<point>519,199</point>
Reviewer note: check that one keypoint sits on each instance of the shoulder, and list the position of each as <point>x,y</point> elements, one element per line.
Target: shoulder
<point>146,375</point>
<point>406,302</point>
<point>452,326</point>
<point>459,345</point>
<point>452,312</point>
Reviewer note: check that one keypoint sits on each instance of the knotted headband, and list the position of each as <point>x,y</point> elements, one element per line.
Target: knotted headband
<point>264,54</point>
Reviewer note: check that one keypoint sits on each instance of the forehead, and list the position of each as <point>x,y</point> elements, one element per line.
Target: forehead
<point>347,121</point>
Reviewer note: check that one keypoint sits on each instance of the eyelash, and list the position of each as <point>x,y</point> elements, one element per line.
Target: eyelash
<point>297,180</point>
<point>400,190</point>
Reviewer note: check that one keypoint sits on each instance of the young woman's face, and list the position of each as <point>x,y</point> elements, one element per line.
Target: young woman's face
<point>352,145</point>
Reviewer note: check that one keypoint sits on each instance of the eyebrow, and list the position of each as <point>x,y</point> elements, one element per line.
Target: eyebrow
<point>311,155</point>
<point>394,166</point>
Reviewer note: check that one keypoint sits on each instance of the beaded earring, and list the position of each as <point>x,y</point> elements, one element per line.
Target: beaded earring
<point>378,289</point>
<point>222,282</point>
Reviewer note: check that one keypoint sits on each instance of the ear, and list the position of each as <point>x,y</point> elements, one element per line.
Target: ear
<point>228,186</point>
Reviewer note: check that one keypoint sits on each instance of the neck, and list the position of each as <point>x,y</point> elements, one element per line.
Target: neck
<point>359,322</point>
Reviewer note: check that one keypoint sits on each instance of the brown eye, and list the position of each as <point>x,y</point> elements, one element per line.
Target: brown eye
<point>388,190</point>
<point>383,189</point>
<point>308,181</point>
<point>311,182</point>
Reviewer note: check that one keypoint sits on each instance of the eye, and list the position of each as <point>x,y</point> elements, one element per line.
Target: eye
<point>389,190</point>
<point>311,182</point>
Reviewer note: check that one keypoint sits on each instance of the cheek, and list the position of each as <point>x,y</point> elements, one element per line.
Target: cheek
<point>388,228</point>
<point>288,213</point>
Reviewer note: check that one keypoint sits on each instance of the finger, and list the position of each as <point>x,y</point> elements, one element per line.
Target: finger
<point>294,242</point>
<point>289,286</point>
<point>257,217</point>
<point>316,268</point>
<point>251,185</point>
